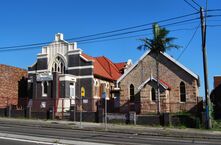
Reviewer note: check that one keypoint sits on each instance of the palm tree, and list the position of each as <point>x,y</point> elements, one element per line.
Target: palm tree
<point>159,43</point>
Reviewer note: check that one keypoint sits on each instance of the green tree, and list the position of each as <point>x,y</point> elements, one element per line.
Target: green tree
<point>160,43</point>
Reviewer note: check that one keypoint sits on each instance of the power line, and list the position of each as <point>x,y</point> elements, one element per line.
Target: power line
<point>102,33</point>
<point>212,10</point>
<point>114,39</point>
<point>196,3</point>
<point>29,46</point>
<point>102,37</point>
<point>119,38</point>
<point>214,25</point>
<point>210,16</point>
<point>188,43</point>
<point>124,33</point>
<point>191,5</point>
<point>148,24</point>
<point>36,47</point>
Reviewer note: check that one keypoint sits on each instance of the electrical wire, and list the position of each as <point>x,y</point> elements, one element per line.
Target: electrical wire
<point>191,5</point>
<point>188,43</point>
<point>124,33</point>
<point>102,33</point>
<point>196,3</point>
<point>36,45</point>
<point>214,25</point>
<point>119,38</point>
<point>102,37</point>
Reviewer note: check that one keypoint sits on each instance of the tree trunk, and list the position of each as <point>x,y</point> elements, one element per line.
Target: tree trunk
<point>158,84</point>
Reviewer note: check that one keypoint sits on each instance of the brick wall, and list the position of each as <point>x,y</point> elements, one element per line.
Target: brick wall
<point>170,73</point>
<point>11,78</point>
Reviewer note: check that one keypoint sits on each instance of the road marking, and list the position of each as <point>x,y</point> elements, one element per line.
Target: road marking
<point>29,141</point>
<point>45,141</point>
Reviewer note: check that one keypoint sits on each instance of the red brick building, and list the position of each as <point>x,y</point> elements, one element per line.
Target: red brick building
<point>217,81</point>
<point>216,97</point>
<point>12,85</point>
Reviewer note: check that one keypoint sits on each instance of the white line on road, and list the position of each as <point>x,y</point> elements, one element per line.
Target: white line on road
<point>45,141</point>
<point>25,140</point>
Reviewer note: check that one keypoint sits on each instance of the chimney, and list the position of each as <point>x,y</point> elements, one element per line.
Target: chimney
<point>59,36</point>
<point>72,46</point>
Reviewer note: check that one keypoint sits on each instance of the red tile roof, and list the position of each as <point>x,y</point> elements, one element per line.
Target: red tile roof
<point>105,68</point>
<point>217,81</point>
<point>120,65</point>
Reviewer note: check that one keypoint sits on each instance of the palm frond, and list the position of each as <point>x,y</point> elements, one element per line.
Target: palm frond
<point>159,42</point>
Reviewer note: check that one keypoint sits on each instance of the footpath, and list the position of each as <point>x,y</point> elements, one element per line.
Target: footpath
<point>117,128</point>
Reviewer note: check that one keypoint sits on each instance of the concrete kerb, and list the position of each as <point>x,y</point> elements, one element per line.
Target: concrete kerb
<point>113,128</point>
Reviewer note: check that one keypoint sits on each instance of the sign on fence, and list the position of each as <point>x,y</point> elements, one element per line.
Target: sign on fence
<point>82,92</point>
<point>85,101</point>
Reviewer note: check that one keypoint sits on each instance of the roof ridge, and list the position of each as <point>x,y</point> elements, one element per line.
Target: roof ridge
<point>165,55</point>
<point>108,65</point>
<point>103,67</point>
<point>113,64</point>
<point>11,66</point>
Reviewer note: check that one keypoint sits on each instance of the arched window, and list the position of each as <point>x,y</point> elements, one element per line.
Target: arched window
<point>58,65</point>
<point>182,92</point>
<point>132,98</point>
<point>153,94</point>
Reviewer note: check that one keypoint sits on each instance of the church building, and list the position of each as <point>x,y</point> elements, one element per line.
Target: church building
<point>179,86</point>
<point>63,74</point>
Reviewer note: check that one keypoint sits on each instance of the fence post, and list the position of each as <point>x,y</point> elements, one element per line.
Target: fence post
<point>62,105</point>
<point>29,112</point>
<point>9,111</point>
<point>53,113</point>
<point>135,118</point>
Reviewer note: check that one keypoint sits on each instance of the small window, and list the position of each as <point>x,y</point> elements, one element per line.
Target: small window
<point>55,67</point>
<point>132,99</point>
<point>182,92</point>
<point>153,94</point>
<point>43,105</point>
<point>62,69</point>
<point>44,88</point>
<point>72,90</point>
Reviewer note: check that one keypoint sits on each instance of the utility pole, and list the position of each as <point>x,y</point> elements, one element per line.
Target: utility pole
<point>158,86</point>
<point>81,105</point>
<point>208,107</point>
<point>105,112</point>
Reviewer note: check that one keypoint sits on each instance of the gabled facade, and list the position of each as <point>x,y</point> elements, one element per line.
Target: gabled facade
<point>60,73</point>
<point>138,86</point>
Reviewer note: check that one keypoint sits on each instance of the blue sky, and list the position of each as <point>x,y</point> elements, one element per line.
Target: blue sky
<point>25,22</point>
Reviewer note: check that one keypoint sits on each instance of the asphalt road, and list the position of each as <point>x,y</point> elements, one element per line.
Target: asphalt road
<point>77,136</point>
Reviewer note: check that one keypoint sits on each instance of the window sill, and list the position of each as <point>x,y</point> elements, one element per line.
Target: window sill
<point>153,102</point>
<point>44,95</point>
